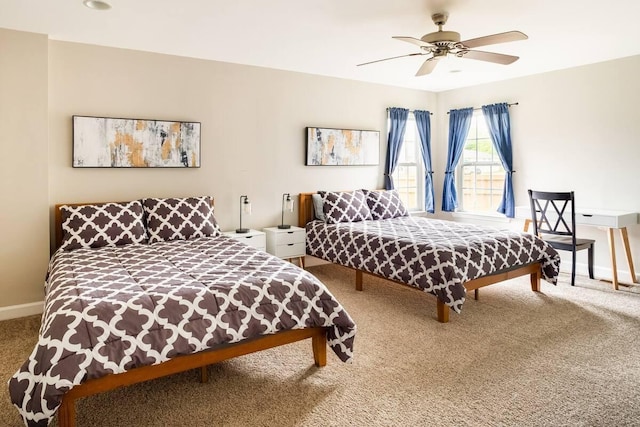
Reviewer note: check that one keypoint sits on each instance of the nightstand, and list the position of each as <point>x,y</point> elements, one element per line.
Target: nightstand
<point>287,243</point>
<point>253,238</point>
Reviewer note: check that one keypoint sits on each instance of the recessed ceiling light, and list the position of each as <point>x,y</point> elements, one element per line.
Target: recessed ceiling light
<point>97,4</point>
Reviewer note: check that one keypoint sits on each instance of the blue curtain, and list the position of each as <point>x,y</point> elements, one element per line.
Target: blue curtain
<point>459,123</point>
<point>423,120</point>
<point>497,118</point>
<point>397,126</point>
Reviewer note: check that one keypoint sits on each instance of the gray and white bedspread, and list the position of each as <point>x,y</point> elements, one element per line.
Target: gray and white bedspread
<point>109,310</point>
<point>433,255</point>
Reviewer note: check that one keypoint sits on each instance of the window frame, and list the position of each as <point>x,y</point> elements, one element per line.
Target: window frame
<point>494,192</point>
<point>418,164</point>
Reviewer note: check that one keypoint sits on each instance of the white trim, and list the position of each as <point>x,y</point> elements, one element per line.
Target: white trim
<point>481,216</point>
<point>21,310</point>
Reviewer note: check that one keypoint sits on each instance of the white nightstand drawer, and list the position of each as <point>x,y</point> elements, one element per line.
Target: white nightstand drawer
<point>291,250</point>
<point>285,237</point>
<point>257,241</point>
<point>254,238</point>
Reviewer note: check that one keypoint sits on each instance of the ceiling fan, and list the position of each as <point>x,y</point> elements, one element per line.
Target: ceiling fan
<point>439,44</point>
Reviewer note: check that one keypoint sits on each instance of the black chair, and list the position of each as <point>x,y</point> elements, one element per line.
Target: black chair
<point>554,221</point>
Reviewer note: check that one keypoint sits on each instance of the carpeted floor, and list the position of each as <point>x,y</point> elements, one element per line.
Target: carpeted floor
<point>566,356</point>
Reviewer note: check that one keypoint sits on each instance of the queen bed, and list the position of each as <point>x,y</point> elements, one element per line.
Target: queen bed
<point>144,289</point>
<point>372,232</point>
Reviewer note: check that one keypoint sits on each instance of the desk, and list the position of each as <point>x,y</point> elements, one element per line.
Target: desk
<point>609,219</point>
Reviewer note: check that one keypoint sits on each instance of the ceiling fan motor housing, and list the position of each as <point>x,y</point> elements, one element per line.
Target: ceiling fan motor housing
<point>441,36</point>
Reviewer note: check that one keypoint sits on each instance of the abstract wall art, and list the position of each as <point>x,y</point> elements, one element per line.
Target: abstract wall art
<point>342,147</point>
<point>104,142</point>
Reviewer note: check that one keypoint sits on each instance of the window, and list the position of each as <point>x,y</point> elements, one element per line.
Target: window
<point>480,175</point>
<point>408,177</point>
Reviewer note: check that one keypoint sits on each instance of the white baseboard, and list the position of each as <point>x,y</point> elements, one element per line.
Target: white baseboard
<point>21,310</point>
<point>624,276</point>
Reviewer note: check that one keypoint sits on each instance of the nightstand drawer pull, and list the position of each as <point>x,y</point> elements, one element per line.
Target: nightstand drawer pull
<point>291,244</point>
<point>248,237</point>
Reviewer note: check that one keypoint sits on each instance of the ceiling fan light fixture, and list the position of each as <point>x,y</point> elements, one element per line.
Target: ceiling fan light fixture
<point>97,4</point>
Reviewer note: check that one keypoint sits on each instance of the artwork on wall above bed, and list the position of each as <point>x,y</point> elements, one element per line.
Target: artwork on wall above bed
<point>105,142</point>
<point>342,147</point>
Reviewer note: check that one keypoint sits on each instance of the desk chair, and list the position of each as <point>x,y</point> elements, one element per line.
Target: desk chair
<point>554,221</point>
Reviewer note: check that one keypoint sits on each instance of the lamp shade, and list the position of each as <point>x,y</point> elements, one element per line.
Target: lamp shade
<point>287,205</point>
<point>245,206</point>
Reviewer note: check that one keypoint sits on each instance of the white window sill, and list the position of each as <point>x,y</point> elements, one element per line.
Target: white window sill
<point>482,216</point>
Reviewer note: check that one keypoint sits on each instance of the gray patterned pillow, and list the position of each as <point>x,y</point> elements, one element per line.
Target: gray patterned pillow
<point>385,204</point>
<point>180,218</point>
<point>345,206</point>
<point>106,224</point>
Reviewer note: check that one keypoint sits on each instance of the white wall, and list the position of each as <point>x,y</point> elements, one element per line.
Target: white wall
<point>576,129</point>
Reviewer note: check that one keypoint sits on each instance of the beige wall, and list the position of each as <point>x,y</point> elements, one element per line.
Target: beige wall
<point>253,121</point>
<point>24,245</point>
<point>576,129</point>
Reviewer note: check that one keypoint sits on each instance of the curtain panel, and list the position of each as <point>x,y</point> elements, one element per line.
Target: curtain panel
<point>498,122</point>
<point>397,126</point>
<point>459,123</point>
<point>423,121</point>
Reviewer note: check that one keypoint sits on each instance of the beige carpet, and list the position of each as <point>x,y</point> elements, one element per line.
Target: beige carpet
<point>566,356</point>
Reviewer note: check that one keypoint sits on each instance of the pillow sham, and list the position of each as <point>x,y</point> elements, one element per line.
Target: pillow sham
<point>385,204</point>
<point>345,206</point>
<point>179,218</point>
<point>105,224</point>
<point>318,213</point>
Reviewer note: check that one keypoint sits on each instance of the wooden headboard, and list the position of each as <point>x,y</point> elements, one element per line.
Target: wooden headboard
<point>305,209</point>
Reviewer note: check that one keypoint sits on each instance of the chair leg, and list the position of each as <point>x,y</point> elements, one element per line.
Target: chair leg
<point>573,268</point>
<point>590,255</point>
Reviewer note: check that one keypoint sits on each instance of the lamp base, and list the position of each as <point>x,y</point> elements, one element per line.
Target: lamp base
<point>284,226</point>
<point>242,230</point>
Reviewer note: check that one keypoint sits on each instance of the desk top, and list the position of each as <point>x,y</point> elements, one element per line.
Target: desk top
<point>593,217</point>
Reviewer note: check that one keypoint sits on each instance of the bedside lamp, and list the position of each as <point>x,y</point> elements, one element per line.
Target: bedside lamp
<point>245,205</point>
<point>287,204</point>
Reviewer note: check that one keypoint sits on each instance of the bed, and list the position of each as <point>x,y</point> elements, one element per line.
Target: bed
<point>372,232</point>
<point>143,289</point>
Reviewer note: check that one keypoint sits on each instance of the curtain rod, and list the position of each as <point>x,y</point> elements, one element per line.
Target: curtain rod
<point>480,108</point>
<point>411,111</point>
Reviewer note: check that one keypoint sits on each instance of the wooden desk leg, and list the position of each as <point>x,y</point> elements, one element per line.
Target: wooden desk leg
<point>527,222</point>
<point>612,252</point>
<point>627,249</point>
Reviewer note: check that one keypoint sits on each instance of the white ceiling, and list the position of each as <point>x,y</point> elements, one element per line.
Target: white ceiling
<point>329,37</point>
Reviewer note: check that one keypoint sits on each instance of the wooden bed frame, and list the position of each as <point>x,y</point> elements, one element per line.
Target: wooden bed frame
<point>201,360</point>
<point>534,270</point>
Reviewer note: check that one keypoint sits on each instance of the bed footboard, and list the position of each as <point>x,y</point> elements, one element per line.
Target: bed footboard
<point>534,270</point>
<point>67,414</point>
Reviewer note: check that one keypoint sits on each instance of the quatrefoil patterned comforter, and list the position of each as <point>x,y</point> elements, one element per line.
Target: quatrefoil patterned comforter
<point>433,255</point>
<point>112,309</point>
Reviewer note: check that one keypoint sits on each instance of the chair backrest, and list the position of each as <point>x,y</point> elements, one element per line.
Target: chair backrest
<point>553,213</point>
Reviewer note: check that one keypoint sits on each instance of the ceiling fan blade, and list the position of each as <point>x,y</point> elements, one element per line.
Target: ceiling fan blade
<point>413,40</point>
<point>498,58</point>
<point>428,66</point>
<point>509,36</point>
<point>393,57</point>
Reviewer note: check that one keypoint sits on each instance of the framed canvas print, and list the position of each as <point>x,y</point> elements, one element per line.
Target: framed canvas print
<point>105,142</point>
<point>342,147</point>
